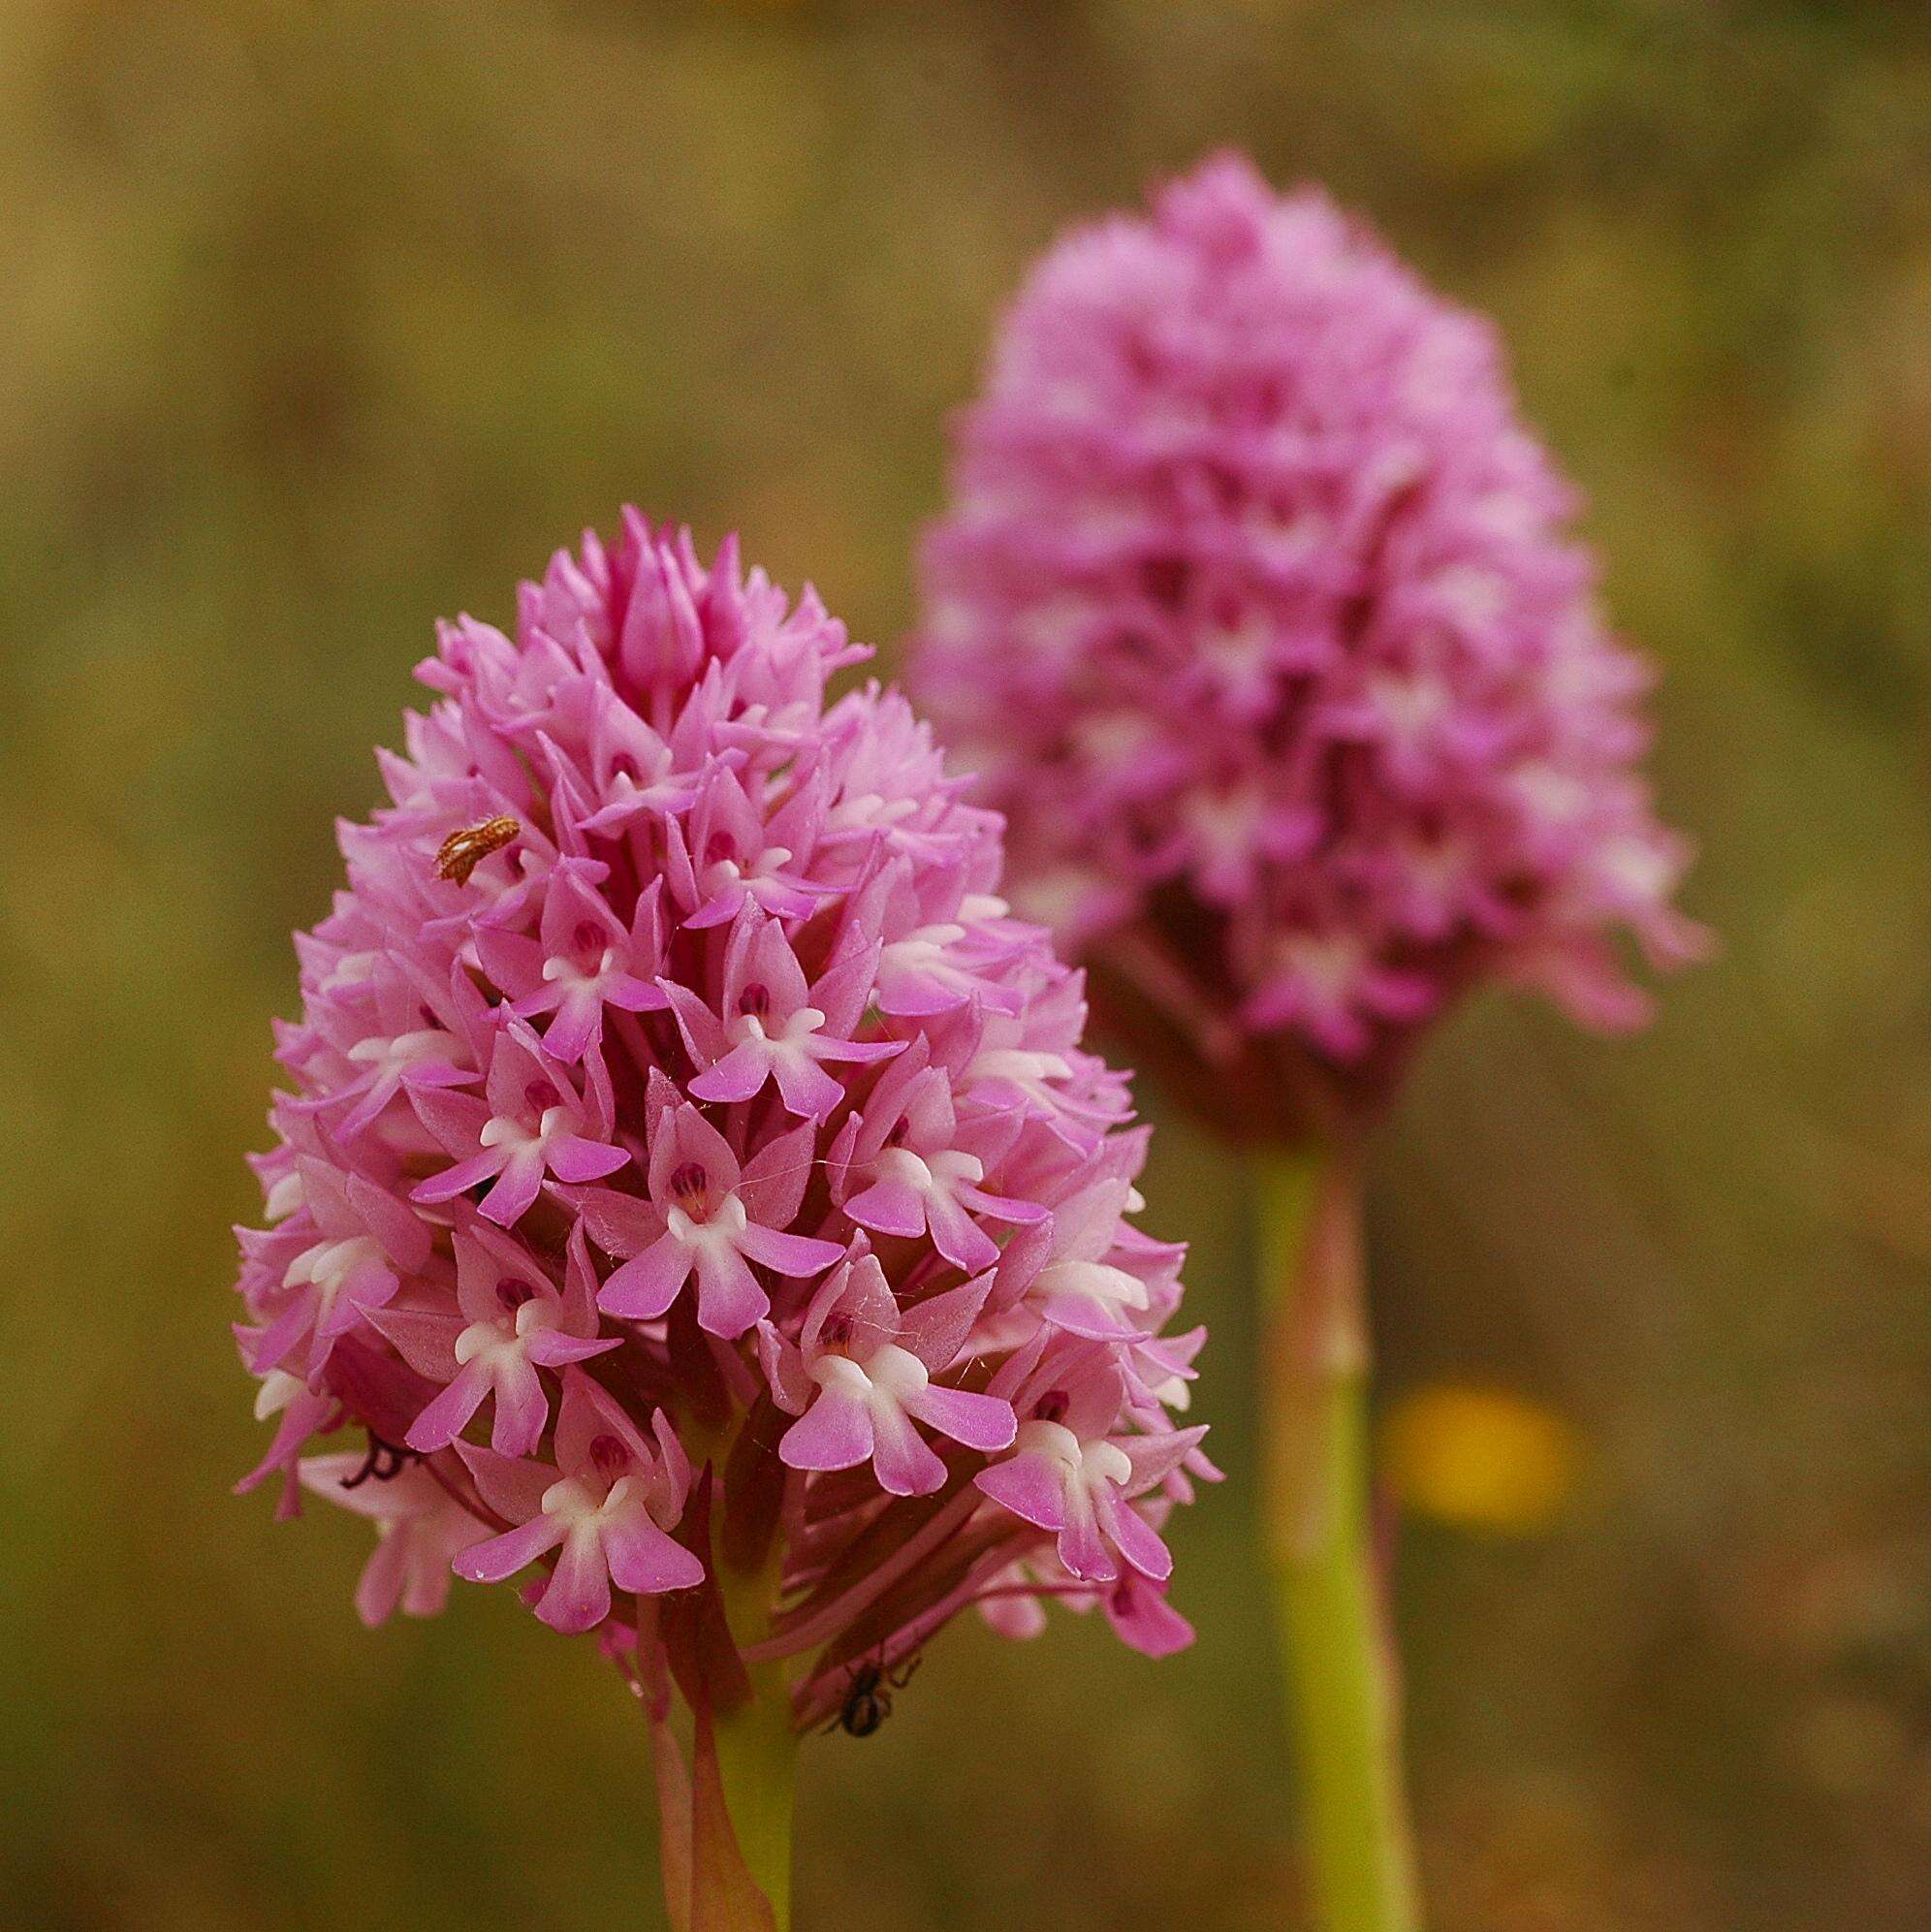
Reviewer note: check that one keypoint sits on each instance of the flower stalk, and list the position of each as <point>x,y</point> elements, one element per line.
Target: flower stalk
<point>1338,1660</point>
<point>757,1767</point>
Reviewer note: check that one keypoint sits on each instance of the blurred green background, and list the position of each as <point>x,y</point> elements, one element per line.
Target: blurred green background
<point>318,321</point>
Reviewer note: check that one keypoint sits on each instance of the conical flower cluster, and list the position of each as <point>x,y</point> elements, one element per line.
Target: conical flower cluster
<point>690,1164</point>
<point>1256,611</point>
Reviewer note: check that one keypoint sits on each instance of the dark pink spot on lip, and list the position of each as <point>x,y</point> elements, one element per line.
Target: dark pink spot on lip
<point>690,1186</point>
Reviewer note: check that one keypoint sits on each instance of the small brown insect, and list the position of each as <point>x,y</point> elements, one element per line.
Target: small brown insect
<point>868,1699</point>
<point>462,852</point>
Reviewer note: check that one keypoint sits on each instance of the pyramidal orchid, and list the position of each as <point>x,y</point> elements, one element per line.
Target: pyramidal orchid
<point>1257,610</point>
<point>692,1200</point>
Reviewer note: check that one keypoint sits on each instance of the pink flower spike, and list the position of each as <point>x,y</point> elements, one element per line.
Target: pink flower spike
<point>670,1062</point>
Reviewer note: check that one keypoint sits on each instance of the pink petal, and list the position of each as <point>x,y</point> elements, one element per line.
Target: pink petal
<point>979,1421</point>
<point>574,1159</point>
<point>522,1408</point>
<point>579,1021</point>
<point>775,1177</point>
<point>552,1349</point>
<point>512,1488</point>
<point>644,1560</point>
<point>889,1207</point>
<point>906,1463</point>
<point>702,1030</point>
<point>1142,1618</point>
<point>643,1288</point>
<point>266,1350</point>
<point>796,1255</point>
<point>455,1119</point>
<point>577,1597</point>
<point>633,996</point>
<point>425,1339</point>
<point>448,1416</point>
<point>496,1558</point>
<point>1136,1539</point>
<point>833,1433</point>
<point>958,1236</point>
<point>512,960</point>
<point>729,1300</point>
<point>740,1074</point>
<point>405,1237</point>
<point>1082,1548</point>
<point>862,1052</point>
<point>1032,1488</point>
<point>807,1088</point>
<point>425,1582</point>
<point>516,1190</point>
<point>936,1330</point>
<point>367,1285</point>
<point>1153,1456</point>
<point>379,1589</point>
<point>1087,1318</point>
<point>1018,1618</point>
<point>459,1178</point>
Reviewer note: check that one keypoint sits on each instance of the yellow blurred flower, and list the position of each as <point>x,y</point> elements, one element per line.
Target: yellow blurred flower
<point>1479,1458</point>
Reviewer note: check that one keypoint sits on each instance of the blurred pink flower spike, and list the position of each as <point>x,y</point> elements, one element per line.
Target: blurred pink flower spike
<point>1257,610</point>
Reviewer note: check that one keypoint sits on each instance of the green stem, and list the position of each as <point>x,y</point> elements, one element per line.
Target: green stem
<point>757,1763</point>
<point>1336,1650</point>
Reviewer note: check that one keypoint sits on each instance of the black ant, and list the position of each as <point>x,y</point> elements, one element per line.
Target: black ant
<point>868,1699</point>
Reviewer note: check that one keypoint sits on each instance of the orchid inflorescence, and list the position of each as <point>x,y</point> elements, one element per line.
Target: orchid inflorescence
<point>1255,610</point>
<point>692,1169</point>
